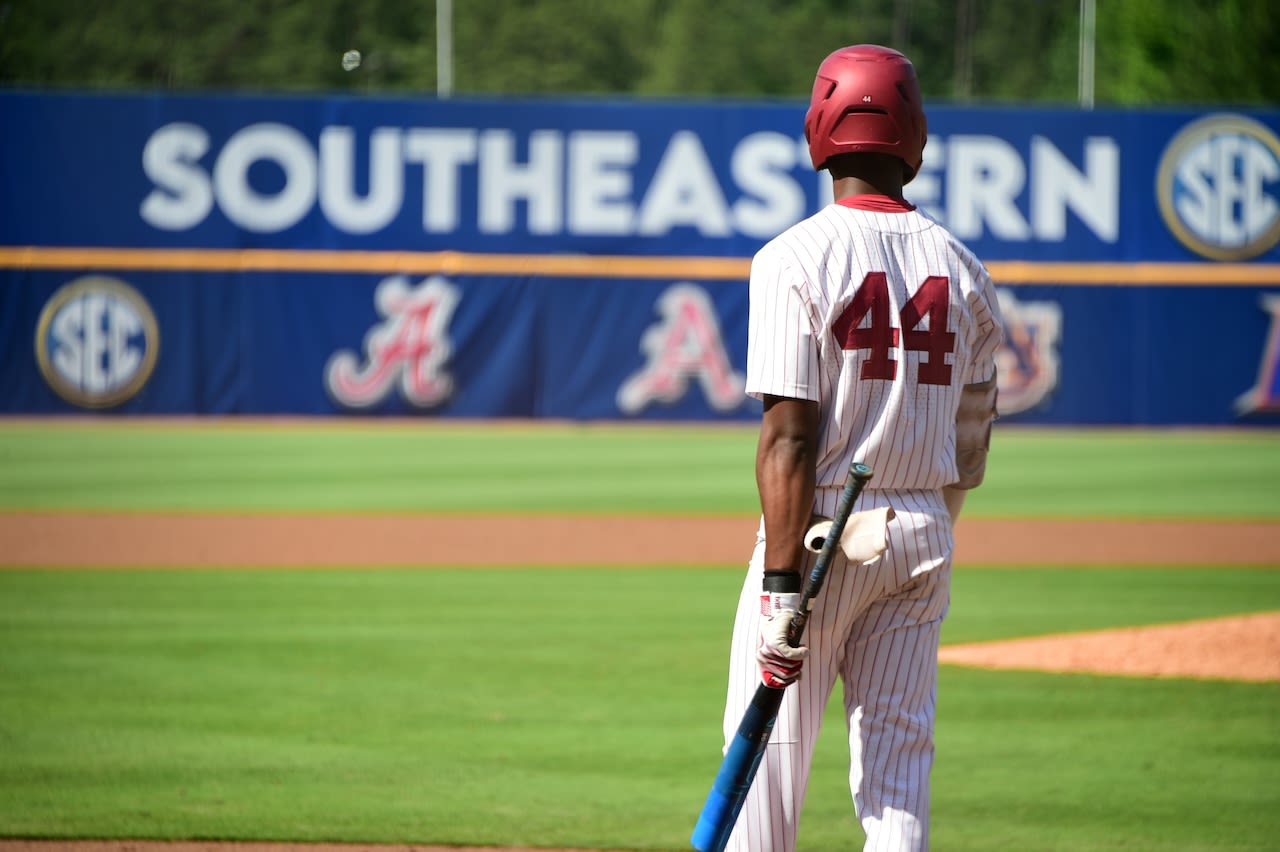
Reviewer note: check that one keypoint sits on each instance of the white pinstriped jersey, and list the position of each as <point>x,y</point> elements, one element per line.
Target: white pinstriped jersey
<point>876,311</point>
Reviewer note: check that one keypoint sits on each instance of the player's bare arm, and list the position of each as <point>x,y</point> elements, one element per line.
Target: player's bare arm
<point>786,462</point>
<point>785,476</point>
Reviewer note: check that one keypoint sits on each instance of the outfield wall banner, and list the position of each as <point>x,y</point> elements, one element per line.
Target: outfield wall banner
<point>587,259</point>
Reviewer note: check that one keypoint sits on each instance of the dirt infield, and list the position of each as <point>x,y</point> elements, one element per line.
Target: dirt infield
<point>1245,648</point>
<point>151,540</point>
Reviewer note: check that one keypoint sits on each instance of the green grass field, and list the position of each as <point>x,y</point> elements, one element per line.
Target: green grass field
<point>567,707</point>
<point>362,466</point>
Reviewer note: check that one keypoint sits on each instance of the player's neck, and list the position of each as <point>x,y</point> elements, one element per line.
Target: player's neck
<point>847,187</point>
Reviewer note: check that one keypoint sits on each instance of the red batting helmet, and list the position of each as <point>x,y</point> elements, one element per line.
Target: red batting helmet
<point>866,99</point>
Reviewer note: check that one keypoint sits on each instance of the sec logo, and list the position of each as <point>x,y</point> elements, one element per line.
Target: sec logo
<point>96,342</point>
<point>1219,187</point>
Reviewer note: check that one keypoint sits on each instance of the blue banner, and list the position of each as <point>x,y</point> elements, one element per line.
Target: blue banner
<point>571,348</point>
<point>587,259</point>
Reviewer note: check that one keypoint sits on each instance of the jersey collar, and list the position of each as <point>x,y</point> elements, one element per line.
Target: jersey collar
<point>876,204</point>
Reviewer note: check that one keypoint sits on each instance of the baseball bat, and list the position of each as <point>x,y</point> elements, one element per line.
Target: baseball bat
<point>742,758</point>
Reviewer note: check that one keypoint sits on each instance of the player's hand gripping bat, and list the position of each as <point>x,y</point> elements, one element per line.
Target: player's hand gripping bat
<point>742,758</point>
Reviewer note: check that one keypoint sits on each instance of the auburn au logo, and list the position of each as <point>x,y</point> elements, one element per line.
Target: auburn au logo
<point>1027,360</point>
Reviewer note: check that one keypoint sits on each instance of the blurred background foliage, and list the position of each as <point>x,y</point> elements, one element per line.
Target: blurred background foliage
<point>1146,51</point>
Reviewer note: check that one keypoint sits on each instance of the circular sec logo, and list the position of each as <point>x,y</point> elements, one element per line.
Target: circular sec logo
<point>1219,187</point>
<point>97,342</point>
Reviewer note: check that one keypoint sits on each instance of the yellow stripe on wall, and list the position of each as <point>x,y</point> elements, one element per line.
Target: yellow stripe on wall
<point>1135,274</point>
<point>589,266</point>
<point>376,262</point>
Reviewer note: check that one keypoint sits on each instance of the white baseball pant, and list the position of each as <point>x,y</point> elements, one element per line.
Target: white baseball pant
<point>876,627</point>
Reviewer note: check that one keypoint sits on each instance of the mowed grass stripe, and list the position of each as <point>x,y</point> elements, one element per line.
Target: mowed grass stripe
<point>475,468</point>
<point>371,466</point>
<point>368,706</point>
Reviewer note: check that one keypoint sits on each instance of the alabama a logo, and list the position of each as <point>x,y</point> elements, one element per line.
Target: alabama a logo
<point>685,345</point>
<point>1264,396</point>
<point>408,349</point>
<point>1027,361</point>
<point>97,342</point>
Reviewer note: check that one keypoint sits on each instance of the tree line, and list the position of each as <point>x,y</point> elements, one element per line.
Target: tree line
<point>1146,52</point>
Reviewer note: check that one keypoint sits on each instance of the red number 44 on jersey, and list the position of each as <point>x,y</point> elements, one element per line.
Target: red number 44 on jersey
<point>932,300</point>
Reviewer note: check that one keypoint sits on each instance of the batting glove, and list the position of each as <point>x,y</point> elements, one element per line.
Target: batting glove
<point>780,664</point>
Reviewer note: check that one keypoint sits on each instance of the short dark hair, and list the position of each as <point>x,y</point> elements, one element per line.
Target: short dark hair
<point>857,164</point>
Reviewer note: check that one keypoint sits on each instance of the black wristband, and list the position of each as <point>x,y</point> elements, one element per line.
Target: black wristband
<point>783,581</point>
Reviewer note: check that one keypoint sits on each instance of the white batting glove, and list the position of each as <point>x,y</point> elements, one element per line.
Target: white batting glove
<point>865,537</point>
<point>780,664</point>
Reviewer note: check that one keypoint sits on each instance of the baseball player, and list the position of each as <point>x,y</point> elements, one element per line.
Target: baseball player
<point>872,335</point>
